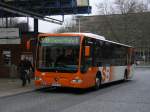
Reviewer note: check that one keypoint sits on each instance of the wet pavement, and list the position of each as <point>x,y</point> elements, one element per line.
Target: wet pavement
<point>130,96</point>
<point>9,87</point>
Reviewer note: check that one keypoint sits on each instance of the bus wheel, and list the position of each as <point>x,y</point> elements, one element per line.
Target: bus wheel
<point>97,82</point>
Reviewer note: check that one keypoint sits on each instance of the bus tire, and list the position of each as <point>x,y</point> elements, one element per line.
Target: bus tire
<point>125,75</point>
<point>98,81</point>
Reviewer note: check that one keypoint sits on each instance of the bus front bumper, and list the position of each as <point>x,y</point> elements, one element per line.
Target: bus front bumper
<point>70,84</point>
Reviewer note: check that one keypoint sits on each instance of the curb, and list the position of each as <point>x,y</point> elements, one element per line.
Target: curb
<point>16,94</point>
<point>25,92</point>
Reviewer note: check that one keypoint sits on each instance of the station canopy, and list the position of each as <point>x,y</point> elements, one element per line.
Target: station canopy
<point>18,8</point>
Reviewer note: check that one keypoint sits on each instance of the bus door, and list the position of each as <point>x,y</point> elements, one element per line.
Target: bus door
<point>87,60</point>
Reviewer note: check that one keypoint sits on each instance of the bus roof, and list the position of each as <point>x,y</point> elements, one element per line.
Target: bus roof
<point>118,43</point>
<point>91,35</point>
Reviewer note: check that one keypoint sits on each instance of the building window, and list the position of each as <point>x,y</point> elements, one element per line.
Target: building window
<point>7,57</point>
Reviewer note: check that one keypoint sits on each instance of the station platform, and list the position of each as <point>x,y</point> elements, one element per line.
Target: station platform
<point>10,87</point>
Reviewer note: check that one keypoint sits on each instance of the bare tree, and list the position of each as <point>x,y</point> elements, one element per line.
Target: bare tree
<point>69,26</point>
<point>130,6</point>
<point>125,8</point>
<point>122,6</point>
<point>106,9</point>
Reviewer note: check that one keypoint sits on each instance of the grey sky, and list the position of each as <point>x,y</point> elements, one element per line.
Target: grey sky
<point>49,27</point>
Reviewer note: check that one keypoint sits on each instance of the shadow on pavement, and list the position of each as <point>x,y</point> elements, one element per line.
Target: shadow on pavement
<point>81,91</point>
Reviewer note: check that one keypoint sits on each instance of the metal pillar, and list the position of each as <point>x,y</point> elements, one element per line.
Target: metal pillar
<point>36,25</point>
<point>36,31</point>
<point>28,23</point>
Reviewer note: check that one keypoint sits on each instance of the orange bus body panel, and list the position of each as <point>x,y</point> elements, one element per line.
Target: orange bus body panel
<point>47,79</point>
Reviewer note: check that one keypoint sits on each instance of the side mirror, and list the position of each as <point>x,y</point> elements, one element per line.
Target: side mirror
<point>87,51</point>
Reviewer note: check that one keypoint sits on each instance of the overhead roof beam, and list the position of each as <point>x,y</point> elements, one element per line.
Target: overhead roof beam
<point>27,13</point>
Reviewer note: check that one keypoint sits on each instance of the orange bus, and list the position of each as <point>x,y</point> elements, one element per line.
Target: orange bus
<point>81,60</point>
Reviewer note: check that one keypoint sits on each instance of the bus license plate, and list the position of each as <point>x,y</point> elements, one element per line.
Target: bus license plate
<point>56,84</point>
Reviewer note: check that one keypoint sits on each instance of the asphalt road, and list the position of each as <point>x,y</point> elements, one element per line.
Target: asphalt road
<point>131,96</point>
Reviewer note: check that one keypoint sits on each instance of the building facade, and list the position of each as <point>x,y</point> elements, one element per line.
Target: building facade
<point>10,55</point>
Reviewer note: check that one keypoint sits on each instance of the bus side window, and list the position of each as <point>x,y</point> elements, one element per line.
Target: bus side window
<point>98,53</point>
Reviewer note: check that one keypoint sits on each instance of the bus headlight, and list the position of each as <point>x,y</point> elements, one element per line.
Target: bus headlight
<point>77,80</point>
<point>37,78</point>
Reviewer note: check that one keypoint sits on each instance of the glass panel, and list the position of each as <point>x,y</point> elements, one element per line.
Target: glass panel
<point>60,56</point>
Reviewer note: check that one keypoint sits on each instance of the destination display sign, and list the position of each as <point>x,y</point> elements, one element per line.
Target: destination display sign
<point>73,40</point>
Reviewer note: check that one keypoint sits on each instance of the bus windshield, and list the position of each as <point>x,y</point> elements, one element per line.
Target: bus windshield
<point>58,54</point>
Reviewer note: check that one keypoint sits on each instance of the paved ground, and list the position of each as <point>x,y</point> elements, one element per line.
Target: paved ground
<point>9,87</point>
<point>131,96</point>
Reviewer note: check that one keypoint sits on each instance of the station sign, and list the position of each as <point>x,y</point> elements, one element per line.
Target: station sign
<point>9,36</point>
<point>9,32</point>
